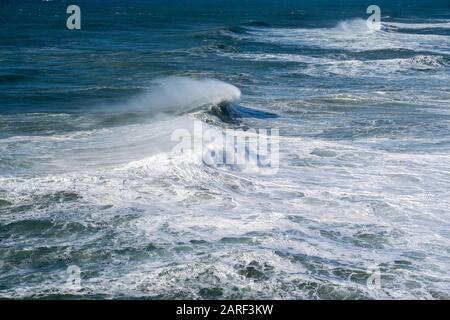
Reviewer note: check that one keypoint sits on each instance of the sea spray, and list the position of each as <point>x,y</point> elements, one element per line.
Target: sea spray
<point>179,95</point>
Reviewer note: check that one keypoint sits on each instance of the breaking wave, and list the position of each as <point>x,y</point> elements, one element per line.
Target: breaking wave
<point>178,95</point>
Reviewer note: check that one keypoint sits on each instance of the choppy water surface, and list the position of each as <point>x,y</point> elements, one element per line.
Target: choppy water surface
<point>88,176</point>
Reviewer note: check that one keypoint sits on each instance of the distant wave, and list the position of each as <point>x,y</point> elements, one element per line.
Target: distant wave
<point>419,26</point>
<point>350,35</point>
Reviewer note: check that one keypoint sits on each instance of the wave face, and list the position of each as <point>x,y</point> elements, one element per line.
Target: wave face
<point>90,176</point>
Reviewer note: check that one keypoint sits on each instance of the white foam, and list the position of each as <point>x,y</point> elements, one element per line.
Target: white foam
<point>316,66</point>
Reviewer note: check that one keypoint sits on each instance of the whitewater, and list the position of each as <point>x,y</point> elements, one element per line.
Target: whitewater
<point>91,176</point>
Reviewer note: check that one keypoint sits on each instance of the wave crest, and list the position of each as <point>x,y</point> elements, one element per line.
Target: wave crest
<point>181,95</point>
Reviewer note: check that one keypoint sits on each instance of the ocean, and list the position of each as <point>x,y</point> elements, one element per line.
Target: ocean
<point>97,201</point>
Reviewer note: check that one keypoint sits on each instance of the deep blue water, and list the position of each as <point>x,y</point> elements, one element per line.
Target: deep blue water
<point>88,176</point>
